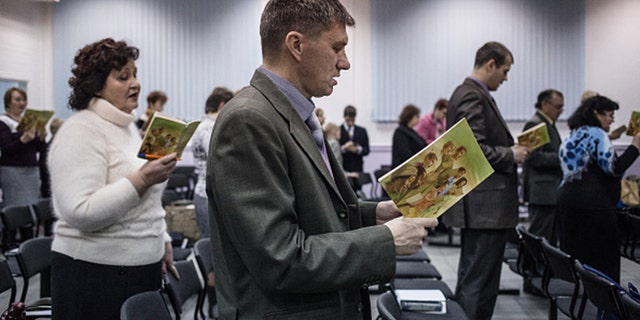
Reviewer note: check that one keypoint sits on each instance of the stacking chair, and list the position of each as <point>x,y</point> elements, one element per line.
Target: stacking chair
<point>39,309</point>
<point>388,309</point>
<point>14,219</point>
<point>181,184</point>
<point>364,179</point>
<point>149,305</point>
<point>6,281</point>
<point>531,264</point>
<point>561,267</point>
<point>190,284</point>
<point>204,257</point>
<point>44,216</point>
<point>602,292</point>
<point>632,306</point>
<point>34,257</point>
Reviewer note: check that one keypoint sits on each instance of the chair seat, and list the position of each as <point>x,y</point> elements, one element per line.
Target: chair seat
<point>421,255</point>
<point>416,269</point>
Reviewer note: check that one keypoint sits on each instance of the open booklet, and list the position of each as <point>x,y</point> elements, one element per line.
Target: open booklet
<point>634,123</point>
<point>534,137</point>
<point>438,176</point>
<point>35,119</point>
<point>166,135</point>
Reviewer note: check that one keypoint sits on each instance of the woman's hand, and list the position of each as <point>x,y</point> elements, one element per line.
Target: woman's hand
<point>28,136</point>
<point>167,260</point>
<point>153,172</point>
<point>636,140</point>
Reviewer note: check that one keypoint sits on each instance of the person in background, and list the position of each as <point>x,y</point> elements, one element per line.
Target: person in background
<point>200,147</point>
<point>406,141</point>
<point>110,240</point>
<point>19,171</point>
<point>542,173</point>
<point>590,187</point>
<point>332,132</point>
<point>45,178</point>
<point>287,231</point>
<point>489,213</point>
<point>155,103</point>
<point>320,114</point>
<point>354,143</point>
<point>433,124</point>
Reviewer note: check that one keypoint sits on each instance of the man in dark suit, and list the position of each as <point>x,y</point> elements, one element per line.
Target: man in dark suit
<point>289,237</point>
<point>542,172</point>
<point>354,143</point>
<point>489,212</point>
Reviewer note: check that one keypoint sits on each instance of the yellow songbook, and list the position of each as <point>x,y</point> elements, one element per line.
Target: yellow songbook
<point>438,176</point>
<point>534,137</point>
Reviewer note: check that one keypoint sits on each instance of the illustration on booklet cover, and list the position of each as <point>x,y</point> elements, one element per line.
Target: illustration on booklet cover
<point>534,137</point>
<point>438,176</point>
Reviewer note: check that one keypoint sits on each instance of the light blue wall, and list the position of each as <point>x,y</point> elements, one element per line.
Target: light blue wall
<point>423,49</point>
<point>187,47</point>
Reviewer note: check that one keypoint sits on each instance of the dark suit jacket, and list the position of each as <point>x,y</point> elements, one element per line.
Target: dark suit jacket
<point>406,143</point>
<point>542,172</point>
<point>352,162</point>
<point>289,241</point>
<point>494,203</point>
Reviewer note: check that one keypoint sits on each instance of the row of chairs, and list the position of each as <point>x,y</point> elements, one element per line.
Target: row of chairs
<point>578,291</point>
<point>152,305</point>
<point>416,272</point>
<point>629,222</point>
<point>33,257</point>
<point>27,220</point>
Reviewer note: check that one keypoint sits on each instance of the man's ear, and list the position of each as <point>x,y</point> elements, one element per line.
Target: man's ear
<point>293,42</point>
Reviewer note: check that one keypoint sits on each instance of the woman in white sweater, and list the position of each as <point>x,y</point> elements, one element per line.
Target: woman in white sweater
<point>110,240</point>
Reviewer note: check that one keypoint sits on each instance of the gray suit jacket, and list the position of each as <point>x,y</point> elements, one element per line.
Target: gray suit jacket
<point>542,172</point>
<point>289,240</point>
<point>494,203</point>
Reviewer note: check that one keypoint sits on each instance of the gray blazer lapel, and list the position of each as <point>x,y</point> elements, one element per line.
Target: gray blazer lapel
<point>494,108</point>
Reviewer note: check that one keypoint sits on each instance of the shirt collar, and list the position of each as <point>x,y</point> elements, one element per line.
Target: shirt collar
<point>546,117</point>
<point>482,84</point>
<point>300,103</point>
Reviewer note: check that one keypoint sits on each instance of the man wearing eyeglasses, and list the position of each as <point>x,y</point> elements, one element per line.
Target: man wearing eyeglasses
<point>542,173</point>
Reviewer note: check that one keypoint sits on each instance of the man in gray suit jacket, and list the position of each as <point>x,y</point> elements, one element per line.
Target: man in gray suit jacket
<point>490,211</point>
<point>542,172</point>
<point>290,239</point>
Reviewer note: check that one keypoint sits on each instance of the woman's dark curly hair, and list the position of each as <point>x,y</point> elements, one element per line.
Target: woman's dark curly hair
<point>585,115</point>
<point>92,65</point>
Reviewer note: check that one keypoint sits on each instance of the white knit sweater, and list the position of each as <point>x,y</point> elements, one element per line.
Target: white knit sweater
<point>101,217</point>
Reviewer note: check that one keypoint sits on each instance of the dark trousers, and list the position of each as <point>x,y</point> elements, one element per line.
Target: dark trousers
<point>479,270</point>
<point>543,222</point>
<point>82,290</point>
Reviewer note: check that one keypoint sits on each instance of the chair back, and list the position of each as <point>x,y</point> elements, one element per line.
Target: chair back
<point>34,257</point>
<point>190,284</point>
<point>602,292</point>
<point>532,262</point>
<point>6,280</point>
<point>16,218</point>
<point>148,305</point>
<point>632,306</point>
<point>204,256</point>
<point>388,308</point>
<point>560,263</point>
